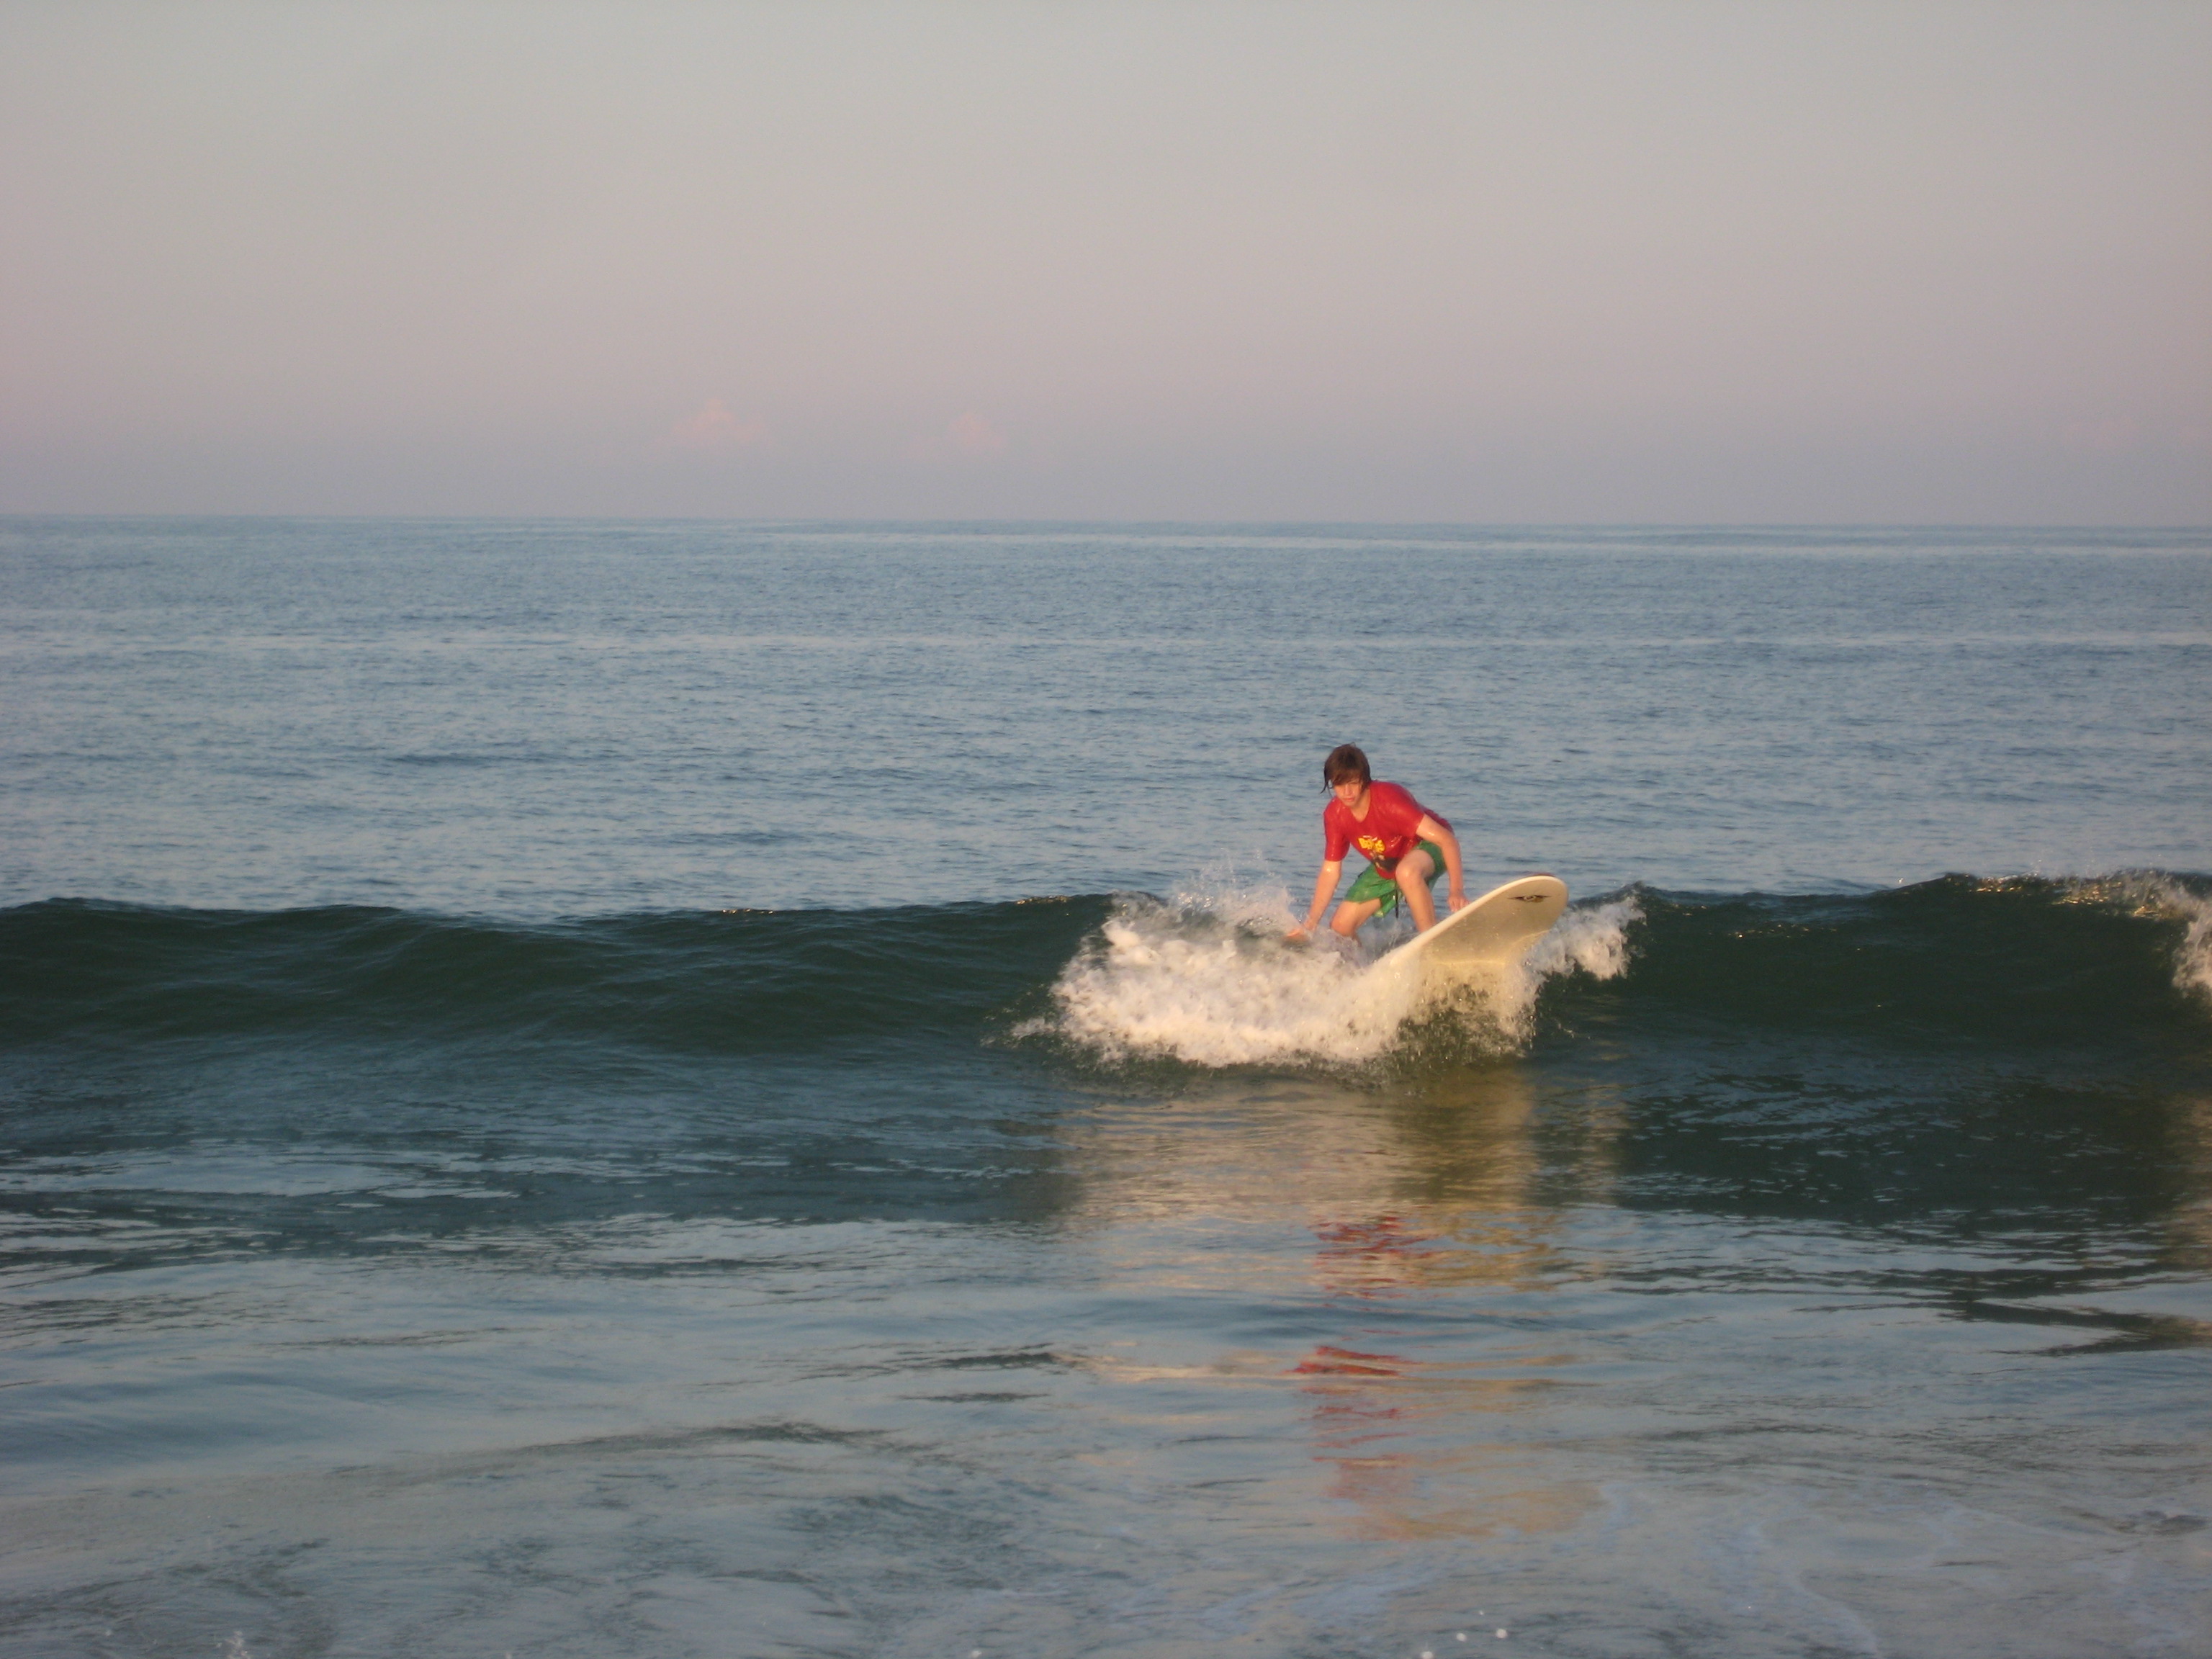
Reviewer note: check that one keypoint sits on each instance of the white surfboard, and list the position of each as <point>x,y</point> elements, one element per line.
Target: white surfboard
<point>1491,933</point>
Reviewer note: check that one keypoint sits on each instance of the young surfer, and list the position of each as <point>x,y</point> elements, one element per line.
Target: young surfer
<point>1404,842</point>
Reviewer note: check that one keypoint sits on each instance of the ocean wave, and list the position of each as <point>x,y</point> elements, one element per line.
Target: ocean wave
<point>2098,961</point>
<point>745,981</point>
<point>1200,978</point>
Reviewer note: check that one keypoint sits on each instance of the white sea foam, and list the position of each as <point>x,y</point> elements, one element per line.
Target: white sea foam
<point>1208,980</point>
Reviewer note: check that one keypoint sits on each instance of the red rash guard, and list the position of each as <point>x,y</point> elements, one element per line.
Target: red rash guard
<point>1385,835</point>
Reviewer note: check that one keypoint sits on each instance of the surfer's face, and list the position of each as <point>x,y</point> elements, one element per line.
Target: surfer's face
<point>1349,792</point>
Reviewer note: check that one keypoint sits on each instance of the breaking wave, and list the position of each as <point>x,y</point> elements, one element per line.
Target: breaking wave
<point>1210,981</point>
<point>1205,978</point>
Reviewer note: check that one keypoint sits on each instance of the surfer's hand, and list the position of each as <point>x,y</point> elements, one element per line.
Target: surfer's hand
<point>1296,936</point>
<point>1457,901</point>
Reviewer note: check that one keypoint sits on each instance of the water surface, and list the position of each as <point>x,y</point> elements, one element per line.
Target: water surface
<point>707,1090</point>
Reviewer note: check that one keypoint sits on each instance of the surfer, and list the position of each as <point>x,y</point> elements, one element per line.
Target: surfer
<point>1405,845</point>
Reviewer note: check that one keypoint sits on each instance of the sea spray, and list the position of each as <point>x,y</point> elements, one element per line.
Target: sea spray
<point>2162,898</point>
<point>1592,940</point>
<point>2151,895</point>
<point>1209,980</point>
<point>1194,985</point>
<point>2193,962</point>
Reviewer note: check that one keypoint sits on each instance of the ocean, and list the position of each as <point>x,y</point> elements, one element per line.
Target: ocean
<point>696,1089</point>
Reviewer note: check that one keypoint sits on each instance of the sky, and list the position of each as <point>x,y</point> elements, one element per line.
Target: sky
<point>1385,262</point>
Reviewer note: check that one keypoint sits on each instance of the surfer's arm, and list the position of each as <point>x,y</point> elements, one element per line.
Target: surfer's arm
<point>1432,828</point>
<point>1324,890</point>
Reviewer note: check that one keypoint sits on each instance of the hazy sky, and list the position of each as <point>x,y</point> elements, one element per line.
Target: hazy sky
<point>1671,262</point>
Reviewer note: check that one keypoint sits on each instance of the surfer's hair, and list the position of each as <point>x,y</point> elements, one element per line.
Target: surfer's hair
<point>1345,762</point>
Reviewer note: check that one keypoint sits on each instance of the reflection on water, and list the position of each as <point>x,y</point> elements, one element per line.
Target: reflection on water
<point>1390,1193</point>
<point>2189,1222</point>
<point>1404,1440</point>
<point>1342,1201</point>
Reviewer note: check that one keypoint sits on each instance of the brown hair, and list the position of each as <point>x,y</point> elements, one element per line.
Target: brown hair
<point>1345,762</point>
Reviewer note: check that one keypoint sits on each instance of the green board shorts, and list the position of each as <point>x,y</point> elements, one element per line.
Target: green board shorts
<point>1372,884</point>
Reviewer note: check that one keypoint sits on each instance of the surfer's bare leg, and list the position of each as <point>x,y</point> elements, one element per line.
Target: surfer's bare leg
<point>1415,872</point>
<point>1434,829</point>
<point>1348,917</point>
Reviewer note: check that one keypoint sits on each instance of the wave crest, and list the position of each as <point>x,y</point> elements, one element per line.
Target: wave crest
<point>2162,898</point>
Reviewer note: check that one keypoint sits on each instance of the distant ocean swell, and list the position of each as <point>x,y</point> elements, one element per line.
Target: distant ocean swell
<point>2123,960</point>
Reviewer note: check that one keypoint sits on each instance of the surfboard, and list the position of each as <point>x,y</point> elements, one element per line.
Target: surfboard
<point>1491,933</point>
